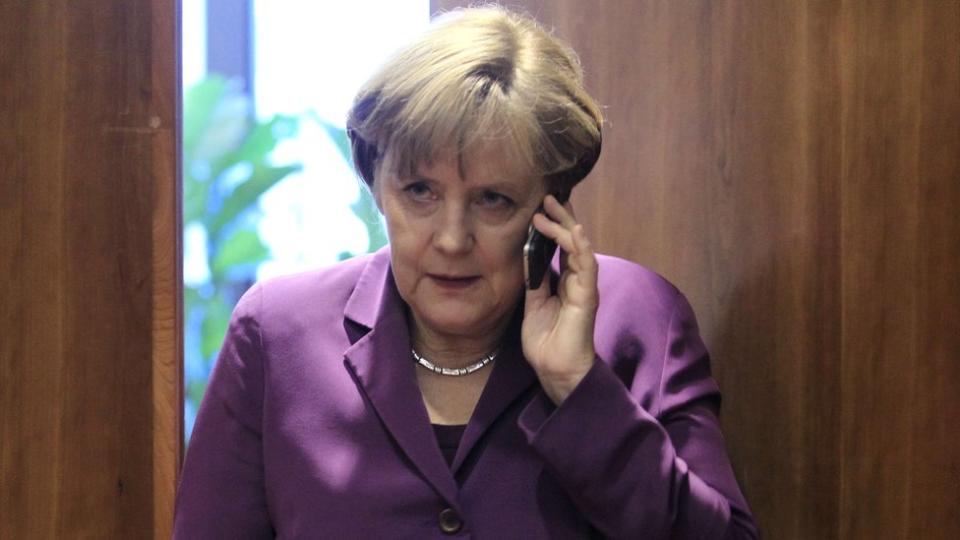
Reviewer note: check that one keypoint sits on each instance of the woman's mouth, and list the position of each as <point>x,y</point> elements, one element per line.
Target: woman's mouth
<point>453,282</point>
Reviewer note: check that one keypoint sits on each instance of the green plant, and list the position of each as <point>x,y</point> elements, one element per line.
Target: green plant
<point>226,168</point>
<point>364,207</point>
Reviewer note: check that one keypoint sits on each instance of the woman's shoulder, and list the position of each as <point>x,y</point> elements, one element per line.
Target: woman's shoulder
<point>624,281</point>
<point>647,332</point>
<point>328,279</point>
<point>306,295</point>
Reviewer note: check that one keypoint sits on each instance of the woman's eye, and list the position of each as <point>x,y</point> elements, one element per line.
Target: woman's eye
<point>493,199</point>
<point>418,190</point>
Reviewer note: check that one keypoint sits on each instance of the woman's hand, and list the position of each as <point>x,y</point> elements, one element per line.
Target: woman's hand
<point>557,332</point>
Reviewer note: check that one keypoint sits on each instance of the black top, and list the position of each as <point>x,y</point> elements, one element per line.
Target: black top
<point>448,439</point>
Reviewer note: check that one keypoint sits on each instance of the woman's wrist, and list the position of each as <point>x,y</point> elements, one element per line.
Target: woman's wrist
<point>558,386</point>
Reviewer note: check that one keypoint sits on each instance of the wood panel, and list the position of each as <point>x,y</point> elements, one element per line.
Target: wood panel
<point>89,280</point>
<point>723,176</point>
<point>901,247</point>
<point>710,161</point>
<point>795,168</point>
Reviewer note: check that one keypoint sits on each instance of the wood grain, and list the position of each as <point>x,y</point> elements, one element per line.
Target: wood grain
<point>901,245</point>
<point>795,169</point>
<point>89,245</point>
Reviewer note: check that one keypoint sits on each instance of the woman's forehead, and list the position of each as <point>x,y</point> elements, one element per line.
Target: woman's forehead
<point>492,158</point>
<point>490,166</point>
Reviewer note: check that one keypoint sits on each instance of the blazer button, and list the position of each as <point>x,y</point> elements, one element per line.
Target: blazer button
<point>450,521</point>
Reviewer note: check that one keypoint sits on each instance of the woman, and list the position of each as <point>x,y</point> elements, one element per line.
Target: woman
<point>422,391</point>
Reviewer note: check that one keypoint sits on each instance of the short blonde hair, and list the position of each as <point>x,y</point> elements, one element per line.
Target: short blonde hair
<point>479,75</point>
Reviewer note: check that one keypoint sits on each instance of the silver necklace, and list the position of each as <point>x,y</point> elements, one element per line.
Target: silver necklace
<point>454,372</point>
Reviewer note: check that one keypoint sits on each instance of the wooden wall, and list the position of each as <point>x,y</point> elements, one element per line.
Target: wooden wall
<point>89,241</point>
<point>795,168</point>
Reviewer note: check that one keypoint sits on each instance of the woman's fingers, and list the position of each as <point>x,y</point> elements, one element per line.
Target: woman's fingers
<point>576,248</point>
<point>555,231</point>
<point>584,253</point>
<point>562,213</point>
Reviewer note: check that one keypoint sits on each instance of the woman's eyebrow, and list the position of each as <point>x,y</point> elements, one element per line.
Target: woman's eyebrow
<point>498,183</point>
<point>414,177</point>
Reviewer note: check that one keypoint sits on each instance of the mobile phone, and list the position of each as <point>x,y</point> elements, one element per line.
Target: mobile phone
<point>538,250</point>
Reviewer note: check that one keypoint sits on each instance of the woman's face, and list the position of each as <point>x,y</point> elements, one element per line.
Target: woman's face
<point>457,242</point>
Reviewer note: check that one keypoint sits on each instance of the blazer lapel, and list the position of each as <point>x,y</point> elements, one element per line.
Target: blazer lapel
<point>510,379</point>
<point>381,364</point>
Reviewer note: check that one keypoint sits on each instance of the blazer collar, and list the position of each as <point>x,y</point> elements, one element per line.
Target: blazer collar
<point>383,368</point>
<point>511,377</point>
<point>375,291</point>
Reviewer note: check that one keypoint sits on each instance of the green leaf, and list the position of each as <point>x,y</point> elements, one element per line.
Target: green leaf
<point>365,208</point>
<point>228,128</point>
<point>339,137</point>
<point>195,194</point>
<point>195,390</point>
<point>191,299</point>
<point>242,247</point>
<point>214,326</point>
<point>199,105</point>
<point>246,194</point>
<point>259,142</point>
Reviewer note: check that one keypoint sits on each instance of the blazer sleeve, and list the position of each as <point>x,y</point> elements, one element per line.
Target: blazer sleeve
<point>221,492</point>
<point>632,474</point>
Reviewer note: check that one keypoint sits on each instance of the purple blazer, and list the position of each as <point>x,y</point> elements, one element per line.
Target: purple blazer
<point>313,426</point>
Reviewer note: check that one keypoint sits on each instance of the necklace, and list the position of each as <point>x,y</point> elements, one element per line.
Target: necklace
<point>454,372</point>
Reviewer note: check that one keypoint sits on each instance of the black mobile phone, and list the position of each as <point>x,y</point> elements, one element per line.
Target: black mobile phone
<point>538,250</point>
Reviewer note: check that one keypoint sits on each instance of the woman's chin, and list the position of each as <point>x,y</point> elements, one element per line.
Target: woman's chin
<point>456,320</point>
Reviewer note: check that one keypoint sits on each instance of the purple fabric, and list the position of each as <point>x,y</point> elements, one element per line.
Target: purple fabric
<point>313,426</point>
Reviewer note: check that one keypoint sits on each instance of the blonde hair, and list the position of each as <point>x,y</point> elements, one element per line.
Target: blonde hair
<point>479,76</point>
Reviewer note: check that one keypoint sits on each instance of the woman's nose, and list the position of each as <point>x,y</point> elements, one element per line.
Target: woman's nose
<point>454,234</point>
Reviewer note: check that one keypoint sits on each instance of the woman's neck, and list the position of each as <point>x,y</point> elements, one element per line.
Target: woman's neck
<point>452,350</point>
